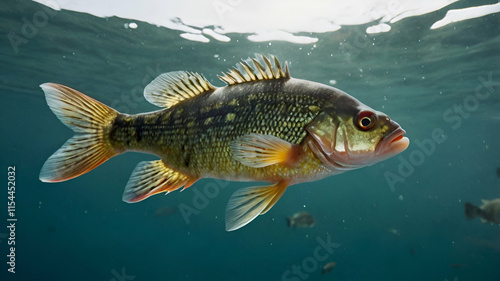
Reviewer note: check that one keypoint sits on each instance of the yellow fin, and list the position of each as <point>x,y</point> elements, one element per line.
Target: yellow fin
<point>171,88</point>
<point>259,150</point>
<point>263,69</point>
<point>89,119</point>
<point>150,178</point>
<point>247,203</point>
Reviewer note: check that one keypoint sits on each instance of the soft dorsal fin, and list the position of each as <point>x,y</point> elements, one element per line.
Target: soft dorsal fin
<point>171,88</point>
<point>255,69</point>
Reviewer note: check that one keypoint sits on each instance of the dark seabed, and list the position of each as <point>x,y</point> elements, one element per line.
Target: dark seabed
<point>402,219</point>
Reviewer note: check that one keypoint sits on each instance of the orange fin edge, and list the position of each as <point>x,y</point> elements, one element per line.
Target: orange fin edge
<point>89,147</point>
<point>260,150</point>
<point>153,177</point>
<point>248,203</point>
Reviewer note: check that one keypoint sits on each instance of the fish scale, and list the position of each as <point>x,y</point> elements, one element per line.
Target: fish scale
<point>183,134</point>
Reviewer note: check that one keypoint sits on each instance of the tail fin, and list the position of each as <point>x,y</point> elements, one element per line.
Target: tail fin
<point>89,147</point>
<point>472,211</point>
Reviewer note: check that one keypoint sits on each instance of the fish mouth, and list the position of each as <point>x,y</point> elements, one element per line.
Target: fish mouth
<point>393,143</point>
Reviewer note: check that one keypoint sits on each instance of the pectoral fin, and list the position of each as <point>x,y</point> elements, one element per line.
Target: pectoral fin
<point>259,150</point>
<point>247,203</point>
<point>152,177</point>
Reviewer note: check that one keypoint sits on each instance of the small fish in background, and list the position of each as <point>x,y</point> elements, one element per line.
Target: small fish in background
<point>488,212</point>
<point>328,267</point>
<point>301,219</point>
<point>490,244</point>
<point>394,231</point>
<point>165,211</point>
<point>412,252</point>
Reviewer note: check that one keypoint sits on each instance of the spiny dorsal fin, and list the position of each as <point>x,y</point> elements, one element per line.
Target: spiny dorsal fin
<point>263,69</point>
<point>171,88</point>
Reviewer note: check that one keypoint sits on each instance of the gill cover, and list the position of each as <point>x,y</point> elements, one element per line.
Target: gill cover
<point>323,130</point>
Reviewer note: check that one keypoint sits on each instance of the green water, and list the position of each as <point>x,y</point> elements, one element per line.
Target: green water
<point>402,219</point>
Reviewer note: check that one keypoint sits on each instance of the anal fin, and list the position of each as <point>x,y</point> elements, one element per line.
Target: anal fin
<point>153,177</point>
<point>247,203</point>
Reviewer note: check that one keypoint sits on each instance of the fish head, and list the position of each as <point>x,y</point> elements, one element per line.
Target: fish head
<point>353,135</point>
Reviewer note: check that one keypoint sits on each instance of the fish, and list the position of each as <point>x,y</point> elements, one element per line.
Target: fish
<point>263,125</point>
<point>165,211</point>
<point>490,244</point>
<point>301,219</point>
<point>328,267</point>
<point>412,251</point>
<point>488,212</point>
<point>394,231</point>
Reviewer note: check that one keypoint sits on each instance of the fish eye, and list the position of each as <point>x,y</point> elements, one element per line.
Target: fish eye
<point>366,120</point>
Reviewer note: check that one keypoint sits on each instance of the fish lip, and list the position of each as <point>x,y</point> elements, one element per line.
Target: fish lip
<point>390,141</point>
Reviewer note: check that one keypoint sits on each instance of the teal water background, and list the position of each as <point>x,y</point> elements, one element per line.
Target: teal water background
<point>390,221</point>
